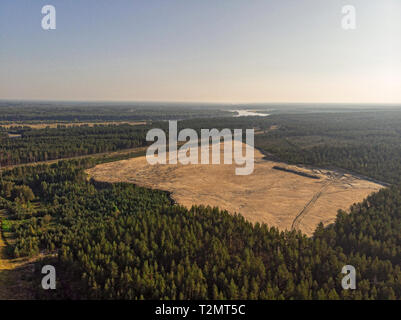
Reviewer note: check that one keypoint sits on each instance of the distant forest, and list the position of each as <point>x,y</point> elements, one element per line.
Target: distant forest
<point>366,143</point>
<point>81,112</point>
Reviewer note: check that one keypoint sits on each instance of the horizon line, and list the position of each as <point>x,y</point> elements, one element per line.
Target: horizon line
<point>193,102</point>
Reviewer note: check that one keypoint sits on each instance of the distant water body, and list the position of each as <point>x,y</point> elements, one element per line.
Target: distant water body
<point>248,113</point>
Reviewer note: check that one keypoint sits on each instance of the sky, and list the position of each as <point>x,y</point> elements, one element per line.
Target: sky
<point>231,51</point>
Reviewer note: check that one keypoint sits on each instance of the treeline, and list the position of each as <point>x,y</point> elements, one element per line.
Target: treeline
<point>58,111</point>
<point>119,241</point>
<point>372,228</point>
<point>55,143</point>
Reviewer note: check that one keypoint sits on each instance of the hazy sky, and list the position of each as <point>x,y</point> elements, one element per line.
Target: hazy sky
<point>201,50</point>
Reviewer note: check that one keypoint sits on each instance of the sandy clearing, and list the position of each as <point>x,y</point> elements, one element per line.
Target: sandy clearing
<point>267,195</point>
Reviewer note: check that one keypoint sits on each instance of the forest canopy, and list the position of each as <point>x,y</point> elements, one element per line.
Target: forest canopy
<point>120,241</point>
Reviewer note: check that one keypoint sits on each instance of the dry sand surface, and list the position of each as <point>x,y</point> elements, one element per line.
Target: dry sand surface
<point>282,199</point>
<point>13,285</point>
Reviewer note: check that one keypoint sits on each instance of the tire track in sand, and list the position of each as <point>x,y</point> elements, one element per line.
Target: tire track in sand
<point>296,222</point>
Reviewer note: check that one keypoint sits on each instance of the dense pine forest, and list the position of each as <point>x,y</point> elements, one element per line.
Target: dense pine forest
<point>124,242</point>
<point>54,143</point>
<point>120,241</point>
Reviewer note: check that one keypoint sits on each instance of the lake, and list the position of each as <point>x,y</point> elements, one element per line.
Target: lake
<point>248,113</point>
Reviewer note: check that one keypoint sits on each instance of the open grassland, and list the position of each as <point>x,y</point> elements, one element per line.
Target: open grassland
<point>286,200</point>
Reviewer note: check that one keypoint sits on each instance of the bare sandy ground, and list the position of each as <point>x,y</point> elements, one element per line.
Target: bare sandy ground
<point>281,199</point>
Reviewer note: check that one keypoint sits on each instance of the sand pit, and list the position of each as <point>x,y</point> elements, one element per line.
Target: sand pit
<point>282,199</point>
